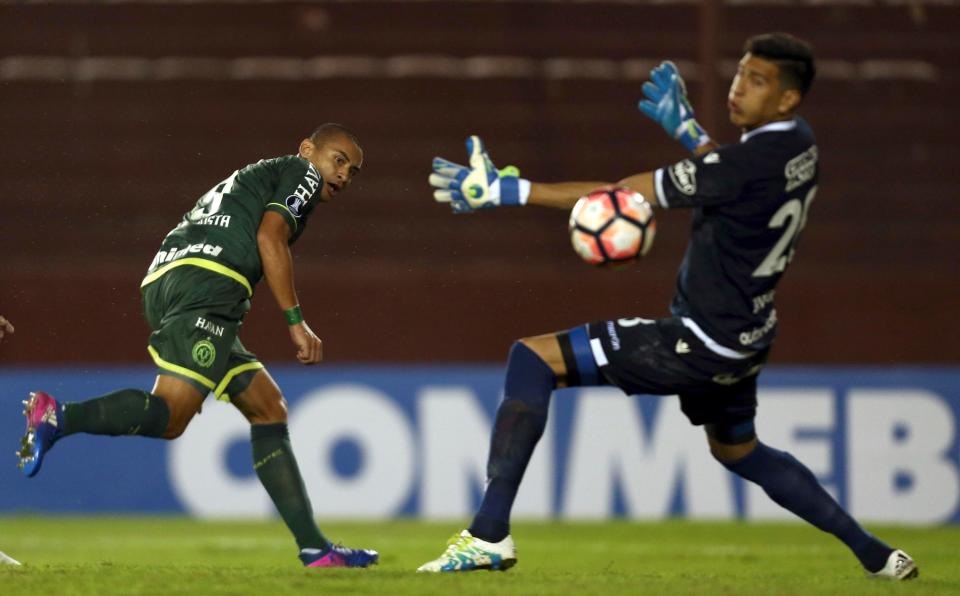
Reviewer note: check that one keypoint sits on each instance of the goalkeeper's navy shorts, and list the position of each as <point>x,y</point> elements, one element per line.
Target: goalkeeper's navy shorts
<point>666,357</point>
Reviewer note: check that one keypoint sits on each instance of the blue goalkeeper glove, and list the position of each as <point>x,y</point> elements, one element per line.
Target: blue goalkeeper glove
<point>478,186</point>
<point>665,101</point>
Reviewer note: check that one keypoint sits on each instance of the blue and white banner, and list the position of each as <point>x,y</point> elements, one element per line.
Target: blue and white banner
<point>379,442</point>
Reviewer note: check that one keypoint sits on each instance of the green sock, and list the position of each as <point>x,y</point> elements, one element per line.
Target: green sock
<point>123,412</point>
<point>277,469</point>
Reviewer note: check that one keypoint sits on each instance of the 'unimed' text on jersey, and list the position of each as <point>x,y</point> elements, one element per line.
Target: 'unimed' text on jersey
<point>220,232</point>
<point>750,202</point>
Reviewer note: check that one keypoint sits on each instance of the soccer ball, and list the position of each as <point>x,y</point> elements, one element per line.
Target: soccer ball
<point>612,225</point>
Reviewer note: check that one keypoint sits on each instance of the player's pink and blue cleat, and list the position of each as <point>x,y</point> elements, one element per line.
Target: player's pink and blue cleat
<point>43,429</point>
<point>339,556</point>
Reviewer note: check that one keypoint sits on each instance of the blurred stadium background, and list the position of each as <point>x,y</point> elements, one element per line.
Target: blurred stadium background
<point>117,116</point>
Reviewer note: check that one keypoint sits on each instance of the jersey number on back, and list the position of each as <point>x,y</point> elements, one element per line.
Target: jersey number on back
<point>209,203</point>
<point>792,216</point>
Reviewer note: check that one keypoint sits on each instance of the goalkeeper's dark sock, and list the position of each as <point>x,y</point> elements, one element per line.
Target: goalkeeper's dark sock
<point>277,470</point>
<point>794,487</point>
<point>519,424</point>
<point>123,412</point>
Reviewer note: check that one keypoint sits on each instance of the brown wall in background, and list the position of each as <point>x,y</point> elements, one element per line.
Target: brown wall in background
<point>95,172</point>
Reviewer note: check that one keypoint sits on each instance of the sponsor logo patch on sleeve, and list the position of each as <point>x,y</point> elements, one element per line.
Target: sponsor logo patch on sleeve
<point>801,168</point>
<point>683,175</point>
<point>295,204</point>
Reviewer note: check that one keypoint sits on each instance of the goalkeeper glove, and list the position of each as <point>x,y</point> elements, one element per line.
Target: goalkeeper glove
<point>665,101</point>
<point>478,186</point>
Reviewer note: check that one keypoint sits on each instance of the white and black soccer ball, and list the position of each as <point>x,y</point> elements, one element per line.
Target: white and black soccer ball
<point>612,225</point>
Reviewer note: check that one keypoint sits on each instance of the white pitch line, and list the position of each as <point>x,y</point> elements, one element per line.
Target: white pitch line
<point>6,559</point>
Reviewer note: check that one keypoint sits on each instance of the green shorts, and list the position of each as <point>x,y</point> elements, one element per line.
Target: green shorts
<point>195,315</point>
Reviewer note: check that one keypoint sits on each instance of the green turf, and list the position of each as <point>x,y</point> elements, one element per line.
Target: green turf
<point>179,556</point>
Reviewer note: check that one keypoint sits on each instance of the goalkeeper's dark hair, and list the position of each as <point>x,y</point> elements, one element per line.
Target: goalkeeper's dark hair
<point>793,57</point>
<point>331,129</point>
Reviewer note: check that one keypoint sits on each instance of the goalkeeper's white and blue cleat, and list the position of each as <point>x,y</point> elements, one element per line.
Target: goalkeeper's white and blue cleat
<point>467,553</point>
<point>43,429</point>
<point>899,567</point>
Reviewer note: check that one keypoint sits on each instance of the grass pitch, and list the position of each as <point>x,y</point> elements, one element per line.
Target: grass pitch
<point>166,556</point>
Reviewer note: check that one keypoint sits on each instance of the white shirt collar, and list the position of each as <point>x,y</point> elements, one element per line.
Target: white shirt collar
<point>778,126</point>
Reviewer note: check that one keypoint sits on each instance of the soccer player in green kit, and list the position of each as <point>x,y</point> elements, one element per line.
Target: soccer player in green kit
<point>195,294</point>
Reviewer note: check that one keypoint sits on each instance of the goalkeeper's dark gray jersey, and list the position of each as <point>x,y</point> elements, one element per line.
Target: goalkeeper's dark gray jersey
<point>750,203</point>
<point>220,232</point>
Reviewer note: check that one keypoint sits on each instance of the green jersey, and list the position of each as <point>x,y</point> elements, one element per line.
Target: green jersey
<point>220,232</point>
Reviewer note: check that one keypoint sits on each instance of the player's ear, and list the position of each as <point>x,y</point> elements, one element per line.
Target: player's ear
<point>306,148</point>
<point>789,100</point>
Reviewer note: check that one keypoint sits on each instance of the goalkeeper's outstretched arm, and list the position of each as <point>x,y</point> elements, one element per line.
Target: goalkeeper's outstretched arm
<point>563,195</point>
<point>481,185</point>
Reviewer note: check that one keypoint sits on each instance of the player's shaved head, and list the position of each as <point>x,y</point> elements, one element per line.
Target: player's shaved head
<point>793,57</point>
<point>325,132</point>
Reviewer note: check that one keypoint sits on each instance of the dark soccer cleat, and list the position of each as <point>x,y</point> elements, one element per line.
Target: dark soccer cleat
<point>899,567</point>
<point>339,556</point>
<point>43,429</point>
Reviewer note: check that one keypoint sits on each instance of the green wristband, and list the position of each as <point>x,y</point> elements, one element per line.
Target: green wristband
<point>293,315</point>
